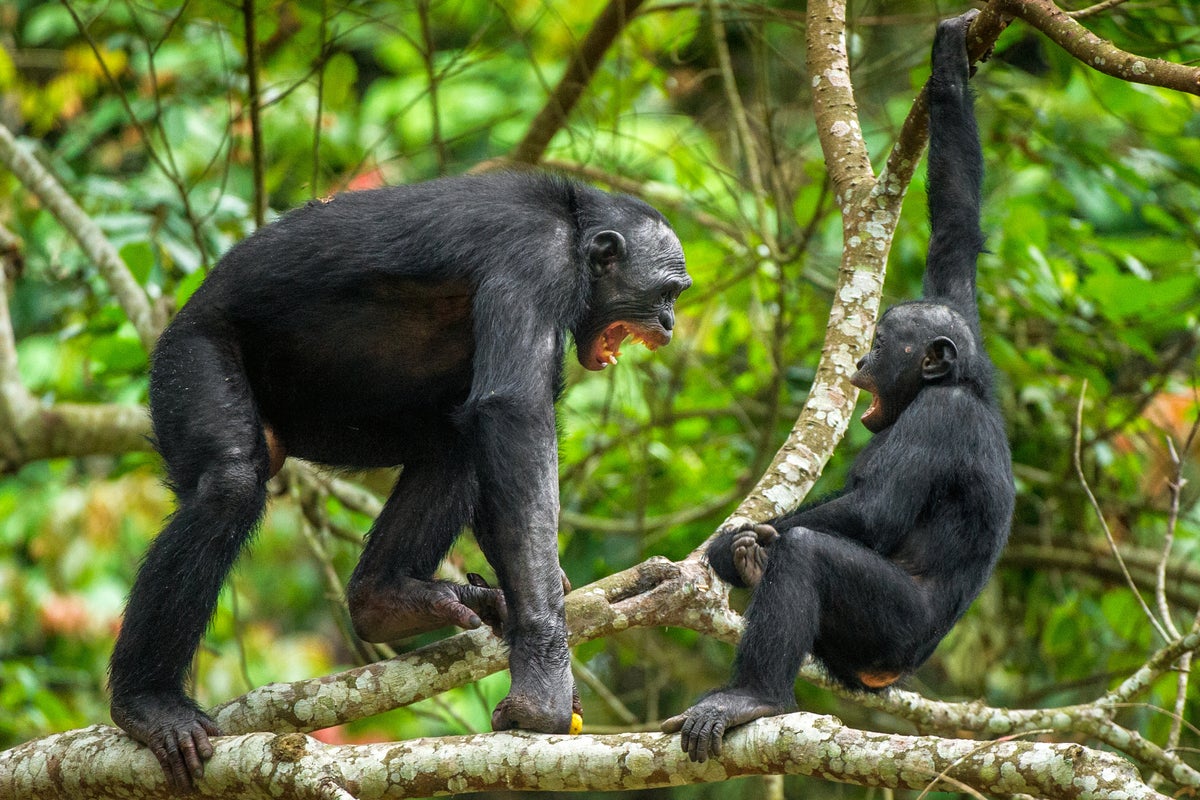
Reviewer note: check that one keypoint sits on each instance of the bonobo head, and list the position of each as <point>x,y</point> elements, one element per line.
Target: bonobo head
<point>917,344</point>
<point>636,269</point>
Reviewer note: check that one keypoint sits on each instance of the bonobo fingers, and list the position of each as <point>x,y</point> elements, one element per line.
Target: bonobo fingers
<point>958,25</point>
<point>702,727</point>
<point>950,41</point>
<point>176,732</point>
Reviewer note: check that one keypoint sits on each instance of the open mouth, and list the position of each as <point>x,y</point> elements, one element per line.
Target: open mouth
<point>874,414</point>
<point>873,417</point>
<point>606,348</point>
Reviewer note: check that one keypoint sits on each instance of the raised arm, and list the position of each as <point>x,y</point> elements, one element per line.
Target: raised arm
<point>955,174</point>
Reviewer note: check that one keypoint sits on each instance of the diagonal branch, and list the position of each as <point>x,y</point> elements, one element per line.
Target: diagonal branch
<point>1098,53</point>
<point>584,63</point>
<point>870,210</point>
<point>37,179</point>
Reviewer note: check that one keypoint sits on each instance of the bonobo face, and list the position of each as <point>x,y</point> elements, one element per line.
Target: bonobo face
<point>636,277</point>
<point>915,345</point>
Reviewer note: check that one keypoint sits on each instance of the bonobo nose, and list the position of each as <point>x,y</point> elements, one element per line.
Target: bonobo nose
<point>859,363</point>
<point>667,320</point>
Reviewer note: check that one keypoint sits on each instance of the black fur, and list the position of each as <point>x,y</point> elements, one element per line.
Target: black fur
<point>870,580</point>
<point>420,325</point>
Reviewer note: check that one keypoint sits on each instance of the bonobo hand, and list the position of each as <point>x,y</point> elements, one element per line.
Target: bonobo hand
<point>703,726</point>
<point>175,731</point>
<point>952,34</point>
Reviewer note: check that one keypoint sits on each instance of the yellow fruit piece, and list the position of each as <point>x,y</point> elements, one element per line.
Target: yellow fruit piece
<point>576,724</point>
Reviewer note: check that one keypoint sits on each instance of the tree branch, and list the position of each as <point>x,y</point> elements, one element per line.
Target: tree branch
<point>30,431</point>
<point>37,179</point>
<point>870,210</point>
<point>102,762</point>
<point>584,63</point>
<point>253,103</point>
<point>1097,53</point>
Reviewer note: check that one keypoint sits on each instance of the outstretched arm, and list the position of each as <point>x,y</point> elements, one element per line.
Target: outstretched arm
<point>955,173</point>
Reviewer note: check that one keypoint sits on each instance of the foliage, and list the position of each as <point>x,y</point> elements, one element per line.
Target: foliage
<point>1092,186</point>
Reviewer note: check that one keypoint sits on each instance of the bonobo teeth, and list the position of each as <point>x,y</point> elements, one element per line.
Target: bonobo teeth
<point>612,359</point>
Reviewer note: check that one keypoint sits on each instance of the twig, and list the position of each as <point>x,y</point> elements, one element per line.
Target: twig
<point>432,77</point>
<point>125,288</point>
<point>1112,542</point>
<point>322,61</point>
<point>1184,666</point>
<point>605,694</point>
<point>1098,8</point>
<point>252,102</point>
<point>169,170</point>
<point>742,125</point>
<point>584,62</point>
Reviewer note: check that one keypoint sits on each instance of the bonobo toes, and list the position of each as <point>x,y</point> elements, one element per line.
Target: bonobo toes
<point>385,615</point>
<point>175,731</point>
<point>521,712</point>
<point>749,548</point>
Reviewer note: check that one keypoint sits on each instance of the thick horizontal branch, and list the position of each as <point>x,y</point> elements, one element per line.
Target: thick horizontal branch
<point>656,592</point>
<point>31,430</point>
<point>102,762</point>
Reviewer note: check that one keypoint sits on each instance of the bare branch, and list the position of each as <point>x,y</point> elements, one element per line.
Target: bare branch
<point>1098,8</point>
<point>37,179</point>
<point>102,762</point>
<point>584,63</point>
<point>253,103</point>
<point>1095,504</point>
<point>1097,53</point>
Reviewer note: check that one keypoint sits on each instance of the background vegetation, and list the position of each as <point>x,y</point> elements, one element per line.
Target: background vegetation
<point>142,109</point>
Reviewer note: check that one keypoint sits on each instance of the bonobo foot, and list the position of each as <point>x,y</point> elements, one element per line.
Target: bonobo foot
<point>521,712</point>
<point>703,726</point>
<point>749,547</point>
<point>416,606</point>
<point>173,728</point>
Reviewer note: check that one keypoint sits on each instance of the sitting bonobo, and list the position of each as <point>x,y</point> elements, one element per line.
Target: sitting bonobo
<point>871,579</point>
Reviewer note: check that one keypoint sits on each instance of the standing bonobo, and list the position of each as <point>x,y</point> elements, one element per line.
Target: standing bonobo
<point>870,580</point>
<point>420,325</point>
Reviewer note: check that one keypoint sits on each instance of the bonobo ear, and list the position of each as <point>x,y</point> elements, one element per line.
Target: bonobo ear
<point>940,355</point>
<point>606,251</point>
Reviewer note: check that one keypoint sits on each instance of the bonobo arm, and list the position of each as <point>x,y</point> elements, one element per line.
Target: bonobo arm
<point>955,173</point>
<point>509,418</point>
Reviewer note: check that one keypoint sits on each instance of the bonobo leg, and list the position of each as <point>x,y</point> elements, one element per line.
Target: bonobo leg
<point>391,594</point>
<point>819,593</point>
<point>216,456</point>
<point>516,525</point>
<point>542,695</point>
